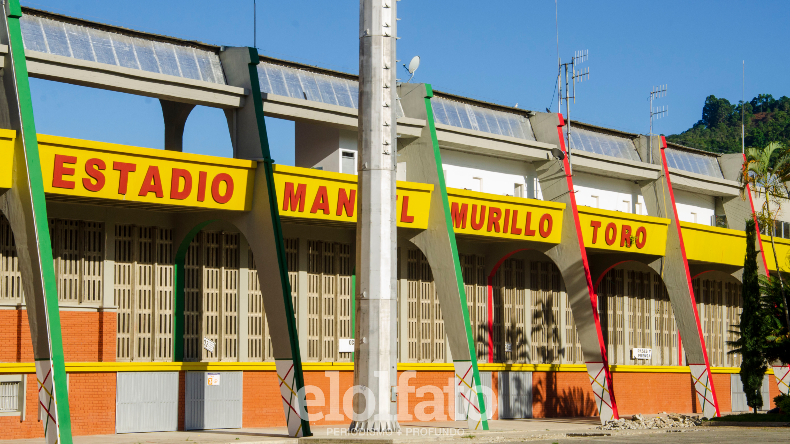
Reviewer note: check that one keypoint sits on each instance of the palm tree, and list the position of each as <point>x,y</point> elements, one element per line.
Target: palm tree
<point>768,177</point>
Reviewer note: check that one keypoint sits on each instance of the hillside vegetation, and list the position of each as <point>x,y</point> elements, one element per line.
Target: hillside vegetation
<point>766,120</point>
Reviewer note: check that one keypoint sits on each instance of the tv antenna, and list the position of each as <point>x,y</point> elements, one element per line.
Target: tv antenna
<point>412,68</point>
<point>255,24</point>
<point>578,58</point>
<point>658,112</point>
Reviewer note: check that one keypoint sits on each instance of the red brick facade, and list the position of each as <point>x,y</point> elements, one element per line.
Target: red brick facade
<point>90,337</point>
<point>87,336</point>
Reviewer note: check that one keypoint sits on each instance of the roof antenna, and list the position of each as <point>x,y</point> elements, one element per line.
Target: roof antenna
<point>255,23</point>
<point>658,112</point>
<point>570,94</point>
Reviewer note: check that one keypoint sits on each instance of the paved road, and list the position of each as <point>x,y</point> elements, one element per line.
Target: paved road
<point>542,431</point>
<point>718,435</point>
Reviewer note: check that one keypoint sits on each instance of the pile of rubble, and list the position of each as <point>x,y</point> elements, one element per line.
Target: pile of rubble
<point>638,422</point>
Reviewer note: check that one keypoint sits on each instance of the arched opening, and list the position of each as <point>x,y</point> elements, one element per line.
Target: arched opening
<point>635,312</point>
<point>529,316</point>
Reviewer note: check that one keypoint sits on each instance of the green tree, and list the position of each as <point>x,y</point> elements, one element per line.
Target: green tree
<point>766,119</point>
<point>751,343</point>
<point>777,346</point>
<point>766,172</point>
<point>715,112</point>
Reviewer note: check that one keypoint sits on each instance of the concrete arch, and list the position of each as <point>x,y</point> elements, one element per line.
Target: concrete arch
<point>495,258</point>
<point>263,232</point>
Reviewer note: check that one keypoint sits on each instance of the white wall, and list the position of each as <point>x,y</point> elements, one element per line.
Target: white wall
<point>693,207</point>
<point>319,146</point>
<point>608,194</point>
<point>488,174</point>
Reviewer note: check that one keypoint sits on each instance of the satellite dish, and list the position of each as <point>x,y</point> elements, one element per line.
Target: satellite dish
<point>558,153</point>
<point>413,65</point>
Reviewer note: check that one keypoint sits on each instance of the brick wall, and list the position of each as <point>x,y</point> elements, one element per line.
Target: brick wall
<point>92,403</point>
<point>563,394</point>
<point>262,404</point>
<point>87,336</point>
<point>421,394</point>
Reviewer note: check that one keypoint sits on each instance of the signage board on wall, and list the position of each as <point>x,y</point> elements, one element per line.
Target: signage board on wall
<point>345,345</point>
<point>96,170</point>
<point>212,378</point>
<point>625,232</point>
<point>505,217</point>
<point>641,354</point>
<point>332,197</point>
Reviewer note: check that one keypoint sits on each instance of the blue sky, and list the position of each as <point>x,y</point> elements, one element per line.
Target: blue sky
<point>501,51</point>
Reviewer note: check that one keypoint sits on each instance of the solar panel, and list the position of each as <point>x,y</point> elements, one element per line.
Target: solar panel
<point>602,143</point>
<point>81,42</point>
<point>699,163</point>
<point>478,118</point>
<point>301,84</point>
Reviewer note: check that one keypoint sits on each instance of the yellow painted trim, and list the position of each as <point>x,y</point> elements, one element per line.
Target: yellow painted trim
<point>342,177</point>
<point>6,157</point>
<point>101,367</point>
<point>622,215</point>
<point>595,224</point>
<point>506,199</point>
<point>711,229</point>
<point>144,152</point>
<point>778,240</point>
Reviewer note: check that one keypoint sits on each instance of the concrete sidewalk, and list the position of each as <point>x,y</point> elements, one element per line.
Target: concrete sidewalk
<point>518,429</point>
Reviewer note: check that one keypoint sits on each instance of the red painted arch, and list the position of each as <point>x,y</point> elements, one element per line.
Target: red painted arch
<point>490,302</point>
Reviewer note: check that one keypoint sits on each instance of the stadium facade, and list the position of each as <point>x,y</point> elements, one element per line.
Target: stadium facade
<point>612,290</point>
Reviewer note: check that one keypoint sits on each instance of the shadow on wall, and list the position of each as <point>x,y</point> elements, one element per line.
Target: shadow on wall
<point>546,333</point>
<point>514,336</point>
<point>561,402</point>
<point>558,397</point>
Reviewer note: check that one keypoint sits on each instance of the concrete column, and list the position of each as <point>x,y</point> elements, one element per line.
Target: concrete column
<point>403,304</point>
<point>108,283</point>
<point>301,292</point>
<point>375,358</point>
<point>528,310</point>
<point>244,299</point>
<point>627,332</point>
<point>175,115</point>
<point>564,343</point>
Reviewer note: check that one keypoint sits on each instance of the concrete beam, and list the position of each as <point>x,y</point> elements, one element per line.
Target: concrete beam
<point>674,269</point>
<point>571,259</point>
<point>479,142</point>
<point>604,166</point>
<point>133,81</point>
<point>438,244</point>
<point>701,184</point>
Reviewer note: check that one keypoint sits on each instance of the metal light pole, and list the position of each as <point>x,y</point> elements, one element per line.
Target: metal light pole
<point>375,357</point>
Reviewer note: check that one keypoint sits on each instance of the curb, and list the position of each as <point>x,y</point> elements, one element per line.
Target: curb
<point>744,424</point>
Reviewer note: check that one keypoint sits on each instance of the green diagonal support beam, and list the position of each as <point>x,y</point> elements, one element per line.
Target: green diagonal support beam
<point>25,207</point>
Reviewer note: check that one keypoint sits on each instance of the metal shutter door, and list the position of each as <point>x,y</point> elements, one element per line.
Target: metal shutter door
<point>146,402</point>
<point>216,406</point>
<point>515,395</point>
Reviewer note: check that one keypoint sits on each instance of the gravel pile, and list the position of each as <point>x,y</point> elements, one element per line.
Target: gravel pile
<point>638,422</point>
